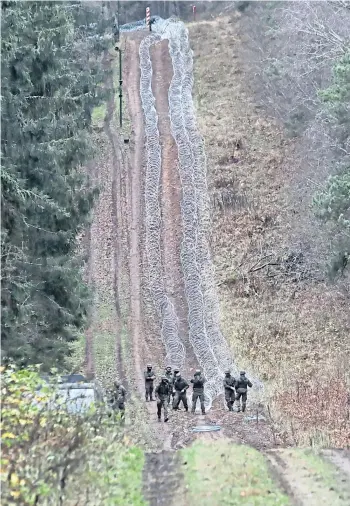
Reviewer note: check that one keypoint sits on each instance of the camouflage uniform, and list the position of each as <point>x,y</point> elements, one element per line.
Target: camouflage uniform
<point>241,388</point>
<point>229,386</point>
<point>169,376</point>
<point>162,393</point>
<point>198,391</point>
<point>180,387</point>
<point>116,399</point>
<point>149,378</point>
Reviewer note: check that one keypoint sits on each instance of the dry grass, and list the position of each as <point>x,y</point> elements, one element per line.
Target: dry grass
<point>281,316</point>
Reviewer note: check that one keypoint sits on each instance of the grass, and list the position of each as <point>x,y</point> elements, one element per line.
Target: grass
<point>220,474</point>
<point>98,116</point>
<point>286,330</point>
<point>125,130</point>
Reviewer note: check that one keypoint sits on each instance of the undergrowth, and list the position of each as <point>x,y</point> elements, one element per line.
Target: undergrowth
<point>282,318</point>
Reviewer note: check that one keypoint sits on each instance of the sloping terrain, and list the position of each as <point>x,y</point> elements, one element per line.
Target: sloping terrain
<point>141,282</point>
<point>282,316</point>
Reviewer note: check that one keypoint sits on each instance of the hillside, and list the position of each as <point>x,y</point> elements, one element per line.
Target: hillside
<point>207,243</point>
<point>280,312</point>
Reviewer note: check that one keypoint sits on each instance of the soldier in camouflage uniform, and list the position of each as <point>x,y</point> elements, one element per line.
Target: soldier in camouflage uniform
<point>149,378</point>
<point>229,386</point>
<point>198,391</point>
<point>169,376</point>
<point>162,394</point>
<point>176,372</point>
<point>116,399</point>
<point>241,388</point>
<point>180,387</point>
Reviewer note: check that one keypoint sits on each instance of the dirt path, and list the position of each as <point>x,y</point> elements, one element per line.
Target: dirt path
<point>170,197</point>
<point>163,479</point>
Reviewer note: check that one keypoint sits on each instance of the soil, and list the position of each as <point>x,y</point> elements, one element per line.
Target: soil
<point>163,479</point>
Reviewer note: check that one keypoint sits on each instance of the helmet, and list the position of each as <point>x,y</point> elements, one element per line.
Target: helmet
<point>149,366</point>
<point>117,384</point>
<point>227,371</point>
<point>242,373</point>
<point>197,371</point>
<point>164,378</point>
<point>176,369</point>
<point>168,368</point>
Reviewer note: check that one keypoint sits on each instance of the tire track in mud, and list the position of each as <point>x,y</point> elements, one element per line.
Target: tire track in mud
<point>163,479</point>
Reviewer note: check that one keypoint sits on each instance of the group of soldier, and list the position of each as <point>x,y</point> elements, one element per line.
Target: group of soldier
<point>173,387</point>
<point>172,390</point>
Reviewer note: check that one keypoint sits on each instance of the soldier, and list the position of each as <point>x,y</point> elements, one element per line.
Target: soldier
<point>176,372</point>
<point>241,388</point>
<point>169,377</point>
<point>229,386</point>
<point>149,378</point>
<point>198,390</point>
<point>180,387</point>
<point>163,393</point>
<point>116,399</point>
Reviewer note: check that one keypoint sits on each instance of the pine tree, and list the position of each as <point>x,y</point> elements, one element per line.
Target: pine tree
<point>51,80</point>
<point>333,203</point>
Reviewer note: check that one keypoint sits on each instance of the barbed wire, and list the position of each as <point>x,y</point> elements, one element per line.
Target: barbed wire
<point>175,350</point>
<point>206,338</point>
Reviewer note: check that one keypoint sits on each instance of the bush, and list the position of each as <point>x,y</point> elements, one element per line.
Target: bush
<point>46,451</point>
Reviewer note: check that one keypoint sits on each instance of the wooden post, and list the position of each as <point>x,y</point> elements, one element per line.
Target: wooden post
<point>194,12</point>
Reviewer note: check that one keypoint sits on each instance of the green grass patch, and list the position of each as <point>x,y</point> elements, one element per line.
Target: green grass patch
<point>220,474</point>
<point>105,345</point>
<point>126,127</point>
<point>76,359</point>
<point>117,476</point>
<point>98,115</point>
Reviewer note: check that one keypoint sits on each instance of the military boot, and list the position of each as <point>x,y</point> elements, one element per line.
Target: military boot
<point>243,408</point>
<point>166,419</point>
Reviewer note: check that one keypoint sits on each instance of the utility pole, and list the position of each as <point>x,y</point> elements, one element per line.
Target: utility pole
<point>119,49</point>
<point>120,89</point>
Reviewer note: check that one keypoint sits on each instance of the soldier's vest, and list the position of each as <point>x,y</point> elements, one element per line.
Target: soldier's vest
<point>198,384</point>
<point>229,381</point>
<point>148,377</point>
<point>242,385</point>
<point>163,390</point>
<point>180,385</point>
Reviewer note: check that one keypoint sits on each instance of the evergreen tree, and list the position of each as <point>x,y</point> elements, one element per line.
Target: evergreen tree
<point>51,80</point>
<point>333,203</point>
